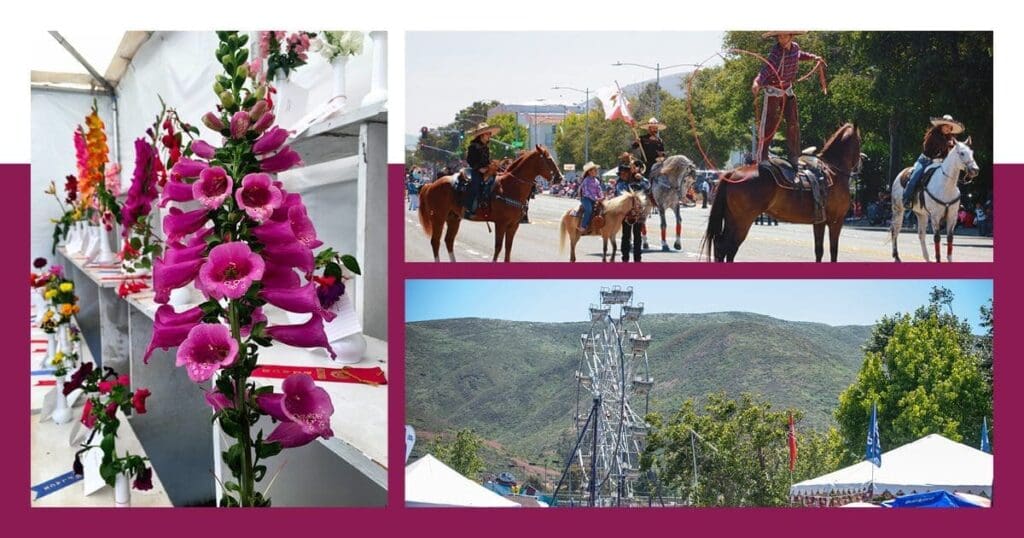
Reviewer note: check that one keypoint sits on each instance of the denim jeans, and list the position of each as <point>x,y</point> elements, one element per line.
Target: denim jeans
<point>476,181</point>
<point>588,212</point>
<point>915,176</point>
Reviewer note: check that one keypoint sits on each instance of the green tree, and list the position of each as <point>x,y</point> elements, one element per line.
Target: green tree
<point>922,372</point>
<point>461,453</point>
<point>742,454</point>
<point>508,141</point>
<point>985,342</point>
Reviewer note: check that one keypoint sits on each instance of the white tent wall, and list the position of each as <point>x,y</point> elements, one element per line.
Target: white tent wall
<point>55,115</point>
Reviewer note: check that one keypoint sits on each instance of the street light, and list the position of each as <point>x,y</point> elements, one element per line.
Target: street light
<point>536,129</point>
<point>586,120</point>
<point>657,70</point>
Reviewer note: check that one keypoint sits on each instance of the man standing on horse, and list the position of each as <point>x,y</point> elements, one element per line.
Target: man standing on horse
<point>779,98</point>
<point>938,140</point>
<point>631,180</point>
<point>590,194</point>
<point>651,144</point>
<point>478,156</point>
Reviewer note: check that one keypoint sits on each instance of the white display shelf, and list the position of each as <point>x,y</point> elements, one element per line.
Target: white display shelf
<point>338,137</point>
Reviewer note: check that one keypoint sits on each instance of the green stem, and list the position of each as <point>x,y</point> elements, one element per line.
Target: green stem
<point>246,482</point>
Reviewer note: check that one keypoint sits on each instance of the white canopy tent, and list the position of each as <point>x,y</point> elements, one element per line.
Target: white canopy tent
<point>931,463</point>
<point>431,483</point>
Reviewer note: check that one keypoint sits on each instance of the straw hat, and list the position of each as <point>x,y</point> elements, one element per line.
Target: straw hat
<point>948,120</point>
<point>653,122</point>
<point>481,129</point>
<point>588,167</point>
<point>775,33</point>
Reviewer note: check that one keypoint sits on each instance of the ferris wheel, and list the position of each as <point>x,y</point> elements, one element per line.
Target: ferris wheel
<point>613,385</point>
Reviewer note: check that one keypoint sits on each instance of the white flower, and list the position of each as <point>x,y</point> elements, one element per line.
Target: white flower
<point>339,43</point>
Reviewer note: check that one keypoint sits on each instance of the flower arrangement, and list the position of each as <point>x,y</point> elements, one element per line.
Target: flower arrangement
<point>61,294</point>
<point>336,44</point>
<point>91,154</point>
<point>107,393</point>
<point>62,362</point>
<point>70,211</point>
<point>48,323</point>
<point>241,249</point>
<point>153,157</point>
<point>284,53</point>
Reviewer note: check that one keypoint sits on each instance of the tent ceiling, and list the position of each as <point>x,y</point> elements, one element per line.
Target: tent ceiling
<point>108,53</point>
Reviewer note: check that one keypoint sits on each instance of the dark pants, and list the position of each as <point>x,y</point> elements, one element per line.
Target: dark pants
<point>774,110</point>
<point>476,180</point>
<point>631,240</point>
<point>588,212</point>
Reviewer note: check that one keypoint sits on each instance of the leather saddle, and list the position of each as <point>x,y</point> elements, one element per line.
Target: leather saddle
<point>596,222</point>
<point>787,177</point>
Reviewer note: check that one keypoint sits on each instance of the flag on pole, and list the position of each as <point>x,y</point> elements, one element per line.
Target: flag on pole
<point>615,104</point>
<point>985,447</point>
<point>874,450</point>
<point>792,443</point>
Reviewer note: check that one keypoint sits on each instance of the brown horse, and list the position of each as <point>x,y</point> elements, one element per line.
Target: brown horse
<point>742,195</point>
<point>439,203</point>
<point>615,210</point>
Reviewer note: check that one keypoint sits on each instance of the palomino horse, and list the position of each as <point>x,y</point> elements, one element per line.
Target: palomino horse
<point>439,203</point>
<point>742,195</point>
<point>615,210</point>
<point>941,200</point>
<point>672,178</point>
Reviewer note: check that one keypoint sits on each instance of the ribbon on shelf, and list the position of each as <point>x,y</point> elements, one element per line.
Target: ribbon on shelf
<point>366,376</point>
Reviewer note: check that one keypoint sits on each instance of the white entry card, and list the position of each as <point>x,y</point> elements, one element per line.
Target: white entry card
<point>91,480</point>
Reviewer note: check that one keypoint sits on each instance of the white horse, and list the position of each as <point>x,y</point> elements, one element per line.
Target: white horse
<point>670,180</point>
<point>941,200</point>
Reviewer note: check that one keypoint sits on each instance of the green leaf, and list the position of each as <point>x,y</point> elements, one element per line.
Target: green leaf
<point>268,450</point>
<point>136,243</point>
<point>351,264</point>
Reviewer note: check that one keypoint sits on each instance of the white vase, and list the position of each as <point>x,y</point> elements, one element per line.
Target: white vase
<point>106,254</point>
<point>74,239</point>
<point>180,297</point>
<point>92,244</point>
<point>122,491</point>
<point>338,66</point>
<point>349,349</point>
<point>51,349</point>
<point>379,74</point>
<point>61,409</point>
<point>64,338</point>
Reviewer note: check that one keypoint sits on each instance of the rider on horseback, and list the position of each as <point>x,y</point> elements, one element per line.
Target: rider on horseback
<point>631,179</point>
<point>590,194</point>
<point>779,97</point>
<point>651,144</point>
<point>939,138</point>
<point>478,156</point>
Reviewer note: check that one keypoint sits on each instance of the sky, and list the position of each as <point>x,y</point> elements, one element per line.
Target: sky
<point>447,71</point>
<point>862,302</point>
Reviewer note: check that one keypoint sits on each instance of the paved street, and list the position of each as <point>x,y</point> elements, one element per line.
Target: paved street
<point>538,241</point>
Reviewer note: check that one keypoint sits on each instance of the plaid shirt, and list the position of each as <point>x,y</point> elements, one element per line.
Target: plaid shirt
<point>785,62</point>
<point>591,188</point>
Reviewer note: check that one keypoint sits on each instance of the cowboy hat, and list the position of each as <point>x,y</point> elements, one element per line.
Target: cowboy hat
<point>776,33</point>
<point>653,122</point>
<point>588,167</point>
<point>481,129</point>
<point>948,120</point>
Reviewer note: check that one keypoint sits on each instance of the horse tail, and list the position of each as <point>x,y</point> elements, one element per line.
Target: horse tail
<point>716,221</point>
<point>563,232</point>
<point>424,209</point>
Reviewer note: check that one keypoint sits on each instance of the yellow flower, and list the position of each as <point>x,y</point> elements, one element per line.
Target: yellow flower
<point>50,294</point>
<point>47,316</point>
<point>66,287</point>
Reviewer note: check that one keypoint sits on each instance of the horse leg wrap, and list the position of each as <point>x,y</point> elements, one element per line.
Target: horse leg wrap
<point>938,256</point>
<point>679,229</point>
<point>662,234</point>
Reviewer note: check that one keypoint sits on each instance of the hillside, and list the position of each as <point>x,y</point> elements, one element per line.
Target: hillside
<point>512,382</point>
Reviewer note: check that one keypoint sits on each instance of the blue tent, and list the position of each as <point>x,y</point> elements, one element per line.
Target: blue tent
<point>932,499</point>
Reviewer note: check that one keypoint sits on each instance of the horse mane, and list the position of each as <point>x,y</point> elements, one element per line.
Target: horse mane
<point>834,140</point>
<point>672,164</point>
<point>615,205</point>
<point>518,161</point>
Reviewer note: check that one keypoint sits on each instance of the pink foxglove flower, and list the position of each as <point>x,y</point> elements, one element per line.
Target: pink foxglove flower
<point>175,191</point>
<point>229,270</point>
<point>300,300</point>
<point>303,226</point>
<point>169,276</point>
<point>304,410</point>
<point>170,329</point>
<point>275,233</point>
<point>259,109</point>
<point>270,141</point>
<point>208,348</point>
<point>291,255</point>
<point>279,276</point>
<point>213,187</point>
<point>285,159</point>
<point>240,123</point>
<point>213,121</point>
<point>203,150</point>
<point>262,124</point>
<point>178,223</point>
<point>187,168</point>
<point>308,334</point>
<point>218,401</point>
<point>258,196</point>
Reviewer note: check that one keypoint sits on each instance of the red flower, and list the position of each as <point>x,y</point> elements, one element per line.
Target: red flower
<point>88,419</point>
<point>107,386</point>
<point>139,400</point>
<point>111,409</point>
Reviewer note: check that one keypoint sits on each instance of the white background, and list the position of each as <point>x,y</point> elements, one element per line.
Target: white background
<point>21,19</point>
